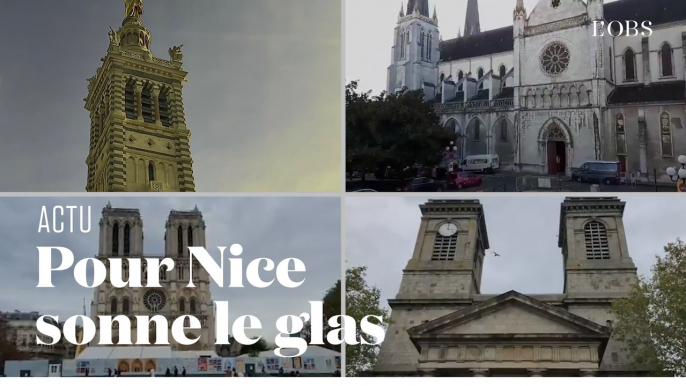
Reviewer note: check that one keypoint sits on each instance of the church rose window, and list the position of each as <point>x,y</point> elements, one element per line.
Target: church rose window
<point>555,59</point>
<point>154,300</point>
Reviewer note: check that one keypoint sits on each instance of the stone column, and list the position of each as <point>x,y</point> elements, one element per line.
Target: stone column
<point>138,90</point>
<point>588,373</point>
<point>479,372</point>
<point>536,372</point>
<point>156,101</point>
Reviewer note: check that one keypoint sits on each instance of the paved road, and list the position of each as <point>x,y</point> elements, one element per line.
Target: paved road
<point>507,182</point>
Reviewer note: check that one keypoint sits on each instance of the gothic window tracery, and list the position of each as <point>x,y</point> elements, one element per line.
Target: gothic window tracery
<point>115,239</point>
<point>503,130</point>
<point>555,58</point>
<point>179,240</point>
<point>422,38</point>
<point>154,300</point>
<point>127,239</point>
<point>429,45</point>
<point>629,65</point>
<point>163,274</point>
<point>597,246</point>
<point>113,306</point>
<point>402,44</point>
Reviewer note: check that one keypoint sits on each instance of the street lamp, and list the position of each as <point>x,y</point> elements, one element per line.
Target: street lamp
<point>679,175</point>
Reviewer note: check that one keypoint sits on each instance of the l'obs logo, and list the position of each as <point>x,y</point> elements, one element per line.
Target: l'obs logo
<point>617,28</point>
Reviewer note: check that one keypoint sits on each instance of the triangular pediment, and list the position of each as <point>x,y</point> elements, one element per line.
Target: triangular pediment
<point>510,314</point>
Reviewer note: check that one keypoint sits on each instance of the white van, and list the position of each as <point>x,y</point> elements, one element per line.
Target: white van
<point>481,163</point>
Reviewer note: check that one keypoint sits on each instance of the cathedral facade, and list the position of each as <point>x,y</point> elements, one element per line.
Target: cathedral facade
<point>554,85</point>
<point>121,237</point>
<point>139,141</point>
<point>442,325</point>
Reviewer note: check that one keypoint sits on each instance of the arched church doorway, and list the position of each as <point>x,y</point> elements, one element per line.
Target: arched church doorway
<point>150,365</point>
<point>123,367</point>
<point>556,150</point>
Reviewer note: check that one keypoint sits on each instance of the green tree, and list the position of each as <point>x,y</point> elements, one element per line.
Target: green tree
<point>254,349</point>
<point>331,308</point>
<point>652,320</point>
<point>362,300</point>
<point>396,130</point>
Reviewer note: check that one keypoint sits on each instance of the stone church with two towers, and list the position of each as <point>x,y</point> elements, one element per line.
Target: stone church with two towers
<point>443,325</point>
<point>121,237</point>
<point>139,141</point>
<point>552,86</point>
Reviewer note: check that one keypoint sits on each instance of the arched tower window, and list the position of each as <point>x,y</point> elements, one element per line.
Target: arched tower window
<point>666,60</point>
<point>190,236</point>
<point>629,65</point>
<point>460,75</point>
<point>445,246</point>
<point>422,38</point>
<point>146,103</point>
<point>503,130</point>
<point>113,306</point>
<point>181,271</point>
<point>151,171</point>
<point>165,113</point>
<point>442,77</point>
<point>130,102</point>
<point>127,239</point>
<point>429,46</point>
<point>125,306</point>
<point>595,235</point>
<point>115,239</point>
<point>182,305</point>
<point>192,306</point>
<point>480,73</point>
<point>163,273</point>
<point>179,234</point>
<point>502,71</point>
<point>402,44</point>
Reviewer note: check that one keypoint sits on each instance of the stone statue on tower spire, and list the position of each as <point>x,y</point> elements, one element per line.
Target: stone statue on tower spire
<point>134,8</point>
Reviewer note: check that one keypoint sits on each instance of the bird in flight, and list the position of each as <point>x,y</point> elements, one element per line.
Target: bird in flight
<point>496,254</point>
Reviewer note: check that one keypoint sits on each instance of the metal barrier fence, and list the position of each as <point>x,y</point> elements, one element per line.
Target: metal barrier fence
<point>539,183</point>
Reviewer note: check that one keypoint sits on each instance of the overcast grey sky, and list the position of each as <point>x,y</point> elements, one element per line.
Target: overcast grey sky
<point>381,234</point>
<point>369,28</point>
<point>276,228</point>
<point>263,99</point>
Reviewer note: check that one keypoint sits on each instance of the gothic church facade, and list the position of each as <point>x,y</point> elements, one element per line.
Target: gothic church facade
<point>547,88</point>
<point>442,324</point>
<point>121,237</point>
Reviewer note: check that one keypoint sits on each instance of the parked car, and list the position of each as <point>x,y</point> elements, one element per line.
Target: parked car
<point>424,184</point>
<point>602,172</point>
<point>463,180</point>
<point>488,163</point>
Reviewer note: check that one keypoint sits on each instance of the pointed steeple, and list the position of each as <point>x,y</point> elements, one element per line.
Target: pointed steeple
<point>472,25</point>
<point>421,5</point>
<point>459,31</point>
<point>435,17</point>
<point>402,11</point>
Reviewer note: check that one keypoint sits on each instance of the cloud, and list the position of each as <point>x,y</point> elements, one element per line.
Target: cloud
<point>381,233</point>
<point>276,228</point>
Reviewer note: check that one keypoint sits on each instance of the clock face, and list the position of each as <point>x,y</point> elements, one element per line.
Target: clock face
<point>447,230</point>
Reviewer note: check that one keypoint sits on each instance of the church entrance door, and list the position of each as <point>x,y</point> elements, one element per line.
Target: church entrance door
<point>557,157</point>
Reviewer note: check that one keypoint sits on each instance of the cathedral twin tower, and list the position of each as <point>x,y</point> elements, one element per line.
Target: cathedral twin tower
<point>139,141</point>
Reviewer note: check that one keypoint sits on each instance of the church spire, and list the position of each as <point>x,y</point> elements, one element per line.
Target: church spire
<point>472,26</point>
<point>421,5</point>
<point>402,13</point>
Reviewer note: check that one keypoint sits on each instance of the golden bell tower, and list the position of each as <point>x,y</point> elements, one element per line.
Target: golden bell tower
<point>138,137</point>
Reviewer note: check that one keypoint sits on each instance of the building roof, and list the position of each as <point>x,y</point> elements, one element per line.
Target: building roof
<point>655,92</point>
<point>134,352</point>
<point>657,11</point>
<point>312,351</point>
<point>502,39</point>
<point>485,43</point>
